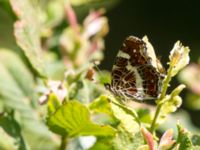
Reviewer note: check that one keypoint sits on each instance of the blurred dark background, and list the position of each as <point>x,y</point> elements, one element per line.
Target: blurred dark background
<point>164,22</point>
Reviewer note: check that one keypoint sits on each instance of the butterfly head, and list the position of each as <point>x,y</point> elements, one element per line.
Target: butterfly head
<point>107,86</point>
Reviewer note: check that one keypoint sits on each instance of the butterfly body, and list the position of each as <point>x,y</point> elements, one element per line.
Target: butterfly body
<point>136,75</point>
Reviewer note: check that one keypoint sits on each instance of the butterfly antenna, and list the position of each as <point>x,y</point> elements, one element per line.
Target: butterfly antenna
<point>97,68</point>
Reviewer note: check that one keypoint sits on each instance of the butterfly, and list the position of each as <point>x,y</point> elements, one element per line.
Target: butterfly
<point>136,74</point>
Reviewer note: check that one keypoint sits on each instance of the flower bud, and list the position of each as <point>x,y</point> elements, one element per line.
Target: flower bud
<point>166,140</point>
<point>148,137</point>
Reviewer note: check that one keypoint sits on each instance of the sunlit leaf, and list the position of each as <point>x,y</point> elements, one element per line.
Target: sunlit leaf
<point>127,141</point>
<point>103,143</point>
<point>101,104</point>
<point>53,103</point>
<point>73,119</point>
<point>144,115</point>
<point>126,116</point>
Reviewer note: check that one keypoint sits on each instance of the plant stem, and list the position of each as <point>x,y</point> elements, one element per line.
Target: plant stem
<point>153,124</point>
<point>160,100</point>
<point>166,83</point>
<point>63,143</point>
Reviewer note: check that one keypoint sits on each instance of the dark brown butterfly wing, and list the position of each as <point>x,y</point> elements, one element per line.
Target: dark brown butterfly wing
<point>133,76</point>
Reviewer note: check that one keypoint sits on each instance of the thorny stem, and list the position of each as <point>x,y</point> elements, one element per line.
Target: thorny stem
<point>160,101</point>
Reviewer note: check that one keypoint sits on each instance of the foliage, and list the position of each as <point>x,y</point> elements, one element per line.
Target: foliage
<point>50,93</point>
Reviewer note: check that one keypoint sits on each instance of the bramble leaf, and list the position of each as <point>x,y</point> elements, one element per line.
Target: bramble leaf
<point>101,104</point>
<point>73,119</point>
<point>127,141</point>
<point>27,33</point>
<point>126,116</point>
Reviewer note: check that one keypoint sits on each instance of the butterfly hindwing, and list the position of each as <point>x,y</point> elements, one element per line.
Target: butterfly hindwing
<point>133,75</point>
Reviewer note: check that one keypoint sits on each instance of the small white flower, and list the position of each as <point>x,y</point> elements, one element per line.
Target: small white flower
<point>179,57</point>
<point>55,87</point>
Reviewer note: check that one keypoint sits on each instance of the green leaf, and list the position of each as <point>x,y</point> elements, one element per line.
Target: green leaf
<point>103,143</point>
<point>27,33</point>
<point>12,128</point>
<point>53,103</point>
<point>73,119</point>
<point>127,117</point>
<point>101,104</point>
<point>101,109</point>
<point>144,115</point>
<point>184,138</point>
<point>127,141</point>
<point>17,93</point>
